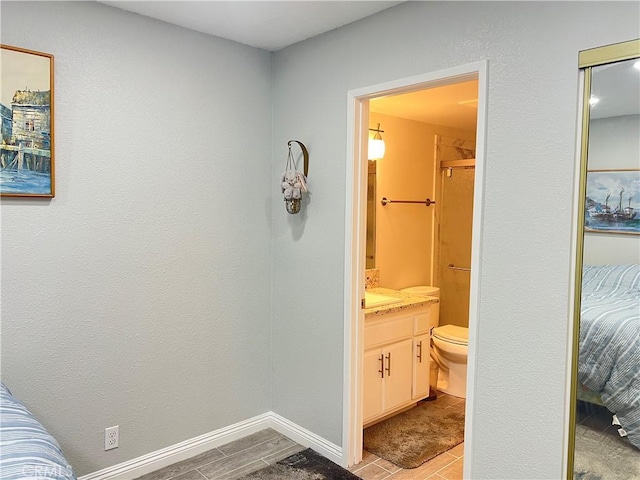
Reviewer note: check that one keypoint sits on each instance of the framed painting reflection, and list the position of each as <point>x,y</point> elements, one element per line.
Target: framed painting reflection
<point>613,201</point>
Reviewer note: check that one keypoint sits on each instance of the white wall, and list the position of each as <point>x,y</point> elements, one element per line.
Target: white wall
<point>139,295</point>
<point>518,415</point>
<point>614,143</point>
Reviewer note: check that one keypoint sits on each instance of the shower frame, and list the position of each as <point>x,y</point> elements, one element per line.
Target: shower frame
<point>444,170</point>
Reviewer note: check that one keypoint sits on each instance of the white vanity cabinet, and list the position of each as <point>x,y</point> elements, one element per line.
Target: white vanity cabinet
<point>387,378</point>
<point>421,359</point>
<point>424,320</point>
<point>396,361</point>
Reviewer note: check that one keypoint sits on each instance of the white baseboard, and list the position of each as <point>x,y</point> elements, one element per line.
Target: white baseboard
<point>305,437</point>
<point>194,446</point>
<point>180,451</point>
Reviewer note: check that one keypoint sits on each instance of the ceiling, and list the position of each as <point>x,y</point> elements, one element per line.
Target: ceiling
<point>617,87</point>
<point>454,105</point>
<point>270,25</point>
<point>273,25</point>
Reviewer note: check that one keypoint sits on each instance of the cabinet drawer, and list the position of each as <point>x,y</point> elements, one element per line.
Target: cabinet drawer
<point>423,322</point>
<point>388,331</point>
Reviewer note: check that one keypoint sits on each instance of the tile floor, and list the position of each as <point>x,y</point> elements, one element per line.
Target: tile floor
<point>232,460</point>
<point>596,426</point>
<point>447,465</point>
<point>238,458</point>
<point>598,420</point>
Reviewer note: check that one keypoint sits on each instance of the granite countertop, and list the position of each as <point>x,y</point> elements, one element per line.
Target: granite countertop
<point>406,301</point>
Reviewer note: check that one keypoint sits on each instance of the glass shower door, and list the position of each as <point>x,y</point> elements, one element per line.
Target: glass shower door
<point>455,230</point>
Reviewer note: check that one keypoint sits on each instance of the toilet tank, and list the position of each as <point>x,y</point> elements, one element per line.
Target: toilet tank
<point>428,291</point>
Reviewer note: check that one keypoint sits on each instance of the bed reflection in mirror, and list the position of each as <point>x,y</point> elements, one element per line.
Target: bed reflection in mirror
<point>607,410</point>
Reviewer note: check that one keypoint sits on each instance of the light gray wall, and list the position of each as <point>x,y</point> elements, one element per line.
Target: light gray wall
<point>149,273</point>
<point>614,143</point>
<point>140,295</point>
<point>522,328</point>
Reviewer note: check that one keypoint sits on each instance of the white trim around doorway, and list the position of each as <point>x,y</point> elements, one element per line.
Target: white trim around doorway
<point>355,232</point>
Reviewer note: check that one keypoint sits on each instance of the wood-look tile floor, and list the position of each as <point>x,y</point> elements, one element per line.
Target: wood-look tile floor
<point>597,420</point>
<point>447,465</point>
<point>251,453</point>
<point>232,460</point>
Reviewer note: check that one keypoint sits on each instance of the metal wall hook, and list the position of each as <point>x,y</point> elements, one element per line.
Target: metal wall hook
<point>305,155</point>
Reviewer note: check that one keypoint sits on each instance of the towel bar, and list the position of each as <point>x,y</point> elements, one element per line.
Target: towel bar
<point>428,202</point>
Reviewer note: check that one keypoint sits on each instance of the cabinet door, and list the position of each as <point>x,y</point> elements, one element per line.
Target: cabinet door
<point>372,388</point>
<point>398,368</point>
<point>421,359</point>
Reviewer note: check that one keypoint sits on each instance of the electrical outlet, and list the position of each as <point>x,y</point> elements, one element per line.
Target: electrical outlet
<point>111,437</point>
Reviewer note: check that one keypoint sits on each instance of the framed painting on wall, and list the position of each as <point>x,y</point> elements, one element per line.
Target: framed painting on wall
<point>26,109</point>
<point>613,201</point>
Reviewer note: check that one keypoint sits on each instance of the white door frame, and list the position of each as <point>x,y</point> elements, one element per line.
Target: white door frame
<point>355,236</point>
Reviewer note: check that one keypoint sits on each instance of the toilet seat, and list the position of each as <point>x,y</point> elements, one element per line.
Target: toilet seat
<point>427,290</point>
<point>452,334</point>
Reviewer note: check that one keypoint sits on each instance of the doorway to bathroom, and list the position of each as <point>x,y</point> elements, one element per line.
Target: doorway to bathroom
<point>360,115</point>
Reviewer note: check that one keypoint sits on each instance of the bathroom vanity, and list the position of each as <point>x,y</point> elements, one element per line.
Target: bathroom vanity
<point>396,351</point>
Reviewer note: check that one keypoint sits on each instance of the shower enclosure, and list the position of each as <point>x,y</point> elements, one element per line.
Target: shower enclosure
<point>454,229</point>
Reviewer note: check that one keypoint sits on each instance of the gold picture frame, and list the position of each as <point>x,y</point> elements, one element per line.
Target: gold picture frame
<point>27,164</point>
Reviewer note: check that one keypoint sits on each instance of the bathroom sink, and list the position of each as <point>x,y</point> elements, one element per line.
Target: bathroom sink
<point>377,300</point>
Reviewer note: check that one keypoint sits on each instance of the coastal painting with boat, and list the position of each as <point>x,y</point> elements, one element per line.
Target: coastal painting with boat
<point>613,201</point>
<point>26,110</point>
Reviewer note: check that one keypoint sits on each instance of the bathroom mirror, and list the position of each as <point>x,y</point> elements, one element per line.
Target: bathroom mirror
<point>371,216</point>
<point>605,416</point>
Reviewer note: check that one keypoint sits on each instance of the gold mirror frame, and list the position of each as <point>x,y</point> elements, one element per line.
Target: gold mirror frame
<point>587,59</point>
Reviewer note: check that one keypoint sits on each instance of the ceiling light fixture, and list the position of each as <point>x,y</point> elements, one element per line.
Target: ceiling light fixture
<point>376,144</point>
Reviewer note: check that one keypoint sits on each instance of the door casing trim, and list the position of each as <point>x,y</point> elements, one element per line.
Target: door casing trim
<point>355,233</point>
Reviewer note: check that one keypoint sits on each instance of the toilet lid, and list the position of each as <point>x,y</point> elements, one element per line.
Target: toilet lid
<point>423,290</point>
<point>452,334</point>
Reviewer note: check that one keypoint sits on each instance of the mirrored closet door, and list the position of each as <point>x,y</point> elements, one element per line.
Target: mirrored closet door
<point>605,418</point>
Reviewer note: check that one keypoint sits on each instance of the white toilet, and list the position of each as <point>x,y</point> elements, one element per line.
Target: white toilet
<point>450,344</point>
<point>449,347</point>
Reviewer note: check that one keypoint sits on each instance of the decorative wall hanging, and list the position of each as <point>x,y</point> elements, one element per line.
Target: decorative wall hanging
<point>294,183</point>
<point>613,201</point>
<point>26,108</point>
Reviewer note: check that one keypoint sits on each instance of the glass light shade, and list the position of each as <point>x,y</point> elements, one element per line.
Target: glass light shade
<point>376,148</point>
